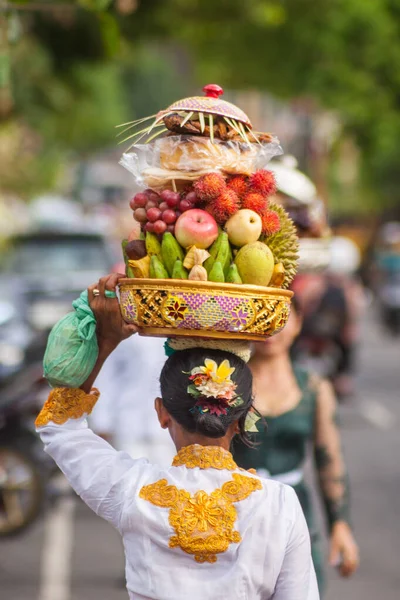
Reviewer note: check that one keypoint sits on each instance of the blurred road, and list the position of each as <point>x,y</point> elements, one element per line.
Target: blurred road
<point>73,555</point>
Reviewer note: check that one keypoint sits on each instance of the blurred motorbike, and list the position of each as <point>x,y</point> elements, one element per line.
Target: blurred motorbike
<point>24,466</point>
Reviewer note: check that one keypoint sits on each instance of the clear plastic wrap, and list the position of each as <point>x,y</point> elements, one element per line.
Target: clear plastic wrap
<point>186,158</point>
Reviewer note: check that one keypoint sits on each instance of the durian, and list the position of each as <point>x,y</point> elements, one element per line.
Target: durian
<point>284,244</point>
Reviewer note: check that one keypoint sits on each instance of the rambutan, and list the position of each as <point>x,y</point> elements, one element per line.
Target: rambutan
<point>209,186</point>
<point>255,201</point>
<point>238,184</point>
<point>270,222</point>
<point>224,206</point>
<point>263,182</point>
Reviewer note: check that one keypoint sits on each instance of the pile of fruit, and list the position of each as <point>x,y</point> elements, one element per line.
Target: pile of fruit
<point>220,228</point>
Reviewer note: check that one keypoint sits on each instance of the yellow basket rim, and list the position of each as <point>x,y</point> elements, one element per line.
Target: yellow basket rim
<point>204,285</point>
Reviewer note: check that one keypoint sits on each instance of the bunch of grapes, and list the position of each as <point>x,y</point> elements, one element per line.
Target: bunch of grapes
<point>157,213</point>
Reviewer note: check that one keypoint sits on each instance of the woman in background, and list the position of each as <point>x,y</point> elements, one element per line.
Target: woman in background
<point>299,409</point>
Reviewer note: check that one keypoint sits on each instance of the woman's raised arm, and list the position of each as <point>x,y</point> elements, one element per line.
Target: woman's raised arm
<point>94,469</point>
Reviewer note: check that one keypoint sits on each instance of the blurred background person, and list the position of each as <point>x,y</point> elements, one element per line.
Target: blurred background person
<point>300,409</point>
<point>332,301</point>
<point>386,267</point>
<point>326,286</point>
<point>130,374</point>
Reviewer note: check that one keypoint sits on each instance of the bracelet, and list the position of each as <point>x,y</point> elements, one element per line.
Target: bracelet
<point>66,403</point>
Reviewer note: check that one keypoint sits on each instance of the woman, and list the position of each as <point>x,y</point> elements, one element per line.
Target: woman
<point>202,528</point>
<point>299,409</point>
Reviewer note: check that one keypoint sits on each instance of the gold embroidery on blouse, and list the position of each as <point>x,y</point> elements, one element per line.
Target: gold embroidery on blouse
<point>203,523</point>
<point>204,457</point>
<point>66,403</point>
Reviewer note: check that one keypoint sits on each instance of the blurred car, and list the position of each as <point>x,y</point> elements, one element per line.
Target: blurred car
<point>45,271</point>
<point>19,343</point>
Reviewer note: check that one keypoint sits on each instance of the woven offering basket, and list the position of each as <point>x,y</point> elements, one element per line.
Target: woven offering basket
<point>170,307</point>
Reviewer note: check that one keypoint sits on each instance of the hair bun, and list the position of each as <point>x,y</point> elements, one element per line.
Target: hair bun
<point>181,403</point>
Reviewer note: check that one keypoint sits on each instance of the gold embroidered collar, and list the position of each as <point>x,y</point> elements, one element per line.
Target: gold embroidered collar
<point>204,457</point>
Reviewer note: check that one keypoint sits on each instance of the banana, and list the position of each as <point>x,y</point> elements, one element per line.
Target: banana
<point>130,273</point>
<point>140,268</point>
<point>233,275</point>
<point>278,275</point>
<point>153,245</point>
<point>217,273</point>
<point>224,255</point>
<point>170,252</point>
<point>179,271</point>
<point>213,250</point>
<point>128,270</point>
<point>157,269</point>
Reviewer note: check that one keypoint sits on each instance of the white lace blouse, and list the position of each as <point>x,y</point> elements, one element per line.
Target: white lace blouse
<point>202,529</point>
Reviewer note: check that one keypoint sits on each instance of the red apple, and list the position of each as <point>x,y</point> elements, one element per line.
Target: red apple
<point>196,227</point>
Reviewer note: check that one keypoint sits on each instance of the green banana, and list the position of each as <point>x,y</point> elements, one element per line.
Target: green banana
<point>228,260</point>
<point>179,271</point>
<point>217,273</point>
<point>213,250</point>
<point>123,245</point>
<point>153,245</point>
<point>157,269</point>
<point>170,252</point>
<point>128,269</point>
<point>224,255</point>
<point>233,275</point>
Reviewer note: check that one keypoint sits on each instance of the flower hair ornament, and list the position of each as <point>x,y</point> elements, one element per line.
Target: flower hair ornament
<point>212,386</point>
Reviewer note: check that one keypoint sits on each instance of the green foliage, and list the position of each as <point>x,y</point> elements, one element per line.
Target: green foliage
<point>96,5</point>
<point>77,109</point>
<point>344,53</point>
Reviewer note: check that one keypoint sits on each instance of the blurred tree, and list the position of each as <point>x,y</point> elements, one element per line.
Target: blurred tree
<point>66,90</point>
<point>345,53</point>
<point>73,78</point>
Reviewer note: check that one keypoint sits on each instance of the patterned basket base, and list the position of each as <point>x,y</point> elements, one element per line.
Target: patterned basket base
<point>168,308</point>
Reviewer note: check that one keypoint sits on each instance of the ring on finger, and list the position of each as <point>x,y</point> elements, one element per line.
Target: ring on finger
<point>96,292</point>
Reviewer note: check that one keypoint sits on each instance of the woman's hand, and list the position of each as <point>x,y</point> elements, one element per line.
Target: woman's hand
<point>343,549</point>
<point>111,328</point>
